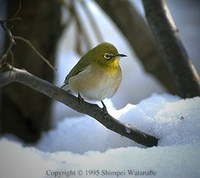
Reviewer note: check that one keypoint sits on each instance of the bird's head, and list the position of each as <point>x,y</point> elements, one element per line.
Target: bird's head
<point>105,54</point>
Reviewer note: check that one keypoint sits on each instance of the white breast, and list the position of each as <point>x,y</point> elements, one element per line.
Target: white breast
<point>95,84</point>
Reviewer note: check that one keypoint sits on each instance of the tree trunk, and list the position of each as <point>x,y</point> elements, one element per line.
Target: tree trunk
<point>25,112</point>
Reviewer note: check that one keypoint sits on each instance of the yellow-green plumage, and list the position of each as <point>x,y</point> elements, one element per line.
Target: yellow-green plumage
<point>97,75</point>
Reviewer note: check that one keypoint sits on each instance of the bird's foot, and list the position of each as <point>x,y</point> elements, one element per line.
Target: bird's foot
<point>80,99</point>
<point>105,111</point>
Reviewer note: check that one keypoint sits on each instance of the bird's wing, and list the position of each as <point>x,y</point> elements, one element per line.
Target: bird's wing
<point>79,67</point>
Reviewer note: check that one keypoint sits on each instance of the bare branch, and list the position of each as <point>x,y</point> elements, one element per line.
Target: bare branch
<point>93,110</point>
<point>8,32</point>
<point>12,42</point>
<point>171,48</point>
<point>92,21</point>
<point>18,10</point>
<point>35,50</point>
<point>81,34</point>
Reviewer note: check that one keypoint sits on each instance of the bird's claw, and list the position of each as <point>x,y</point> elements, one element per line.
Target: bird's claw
<point>105,111</point>
<point>80,99</point>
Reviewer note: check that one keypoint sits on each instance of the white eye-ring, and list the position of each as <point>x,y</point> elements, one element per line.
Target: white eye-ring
<point>107,56</point>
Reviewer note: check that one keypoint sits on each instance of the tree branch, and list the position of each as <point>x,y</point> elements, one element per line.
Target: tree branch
<point>12,41</point>
<point>21,76</point>
<point>171,48</point>
<point>35,50</point>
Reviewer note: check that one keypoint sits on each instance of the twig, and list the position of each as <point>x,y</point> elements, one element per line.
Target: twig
<point>18,10</point>
<point>8,32</point>
<point>93,110</point>
<point>12,42</point>
<point>35,50</point>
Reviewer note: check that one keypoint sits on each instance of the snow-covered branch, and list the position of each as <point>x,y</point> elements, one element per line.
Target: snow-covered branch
<point>12,74</point>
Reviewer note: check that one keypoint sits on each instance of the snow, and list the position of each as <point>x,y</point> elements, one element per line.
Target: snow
<point>83,146</point>
<point>175,121</point>
<point>177,161</point>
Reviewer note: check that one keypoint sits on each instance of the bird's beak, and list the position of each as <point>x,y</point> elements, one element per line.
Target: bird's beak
<point>120,55</point>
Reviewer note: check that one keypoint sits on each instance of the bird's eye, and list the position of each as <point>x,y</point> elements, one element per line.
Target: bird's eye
<point>107,56</point>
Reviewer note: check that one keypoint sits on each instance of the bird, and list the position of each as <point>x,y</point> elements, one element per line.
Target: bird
<point>97,75</point>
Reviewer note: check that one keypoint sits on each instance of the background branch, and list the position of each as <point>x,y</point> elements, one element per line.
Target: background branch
<point>12,42</point>
<point>171,48</point>
<point>35,50</point>
<point>93,110</point>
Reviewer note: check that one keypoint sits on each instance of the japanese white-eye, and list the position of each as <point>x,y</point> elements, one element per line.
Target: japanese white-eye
<point>97,75</point>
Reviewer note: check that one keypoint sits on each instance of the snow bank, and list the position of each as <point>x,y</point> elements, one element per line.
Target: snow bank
<point>177,161</point>
<point>82,147</point>
<point>175,121</point>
